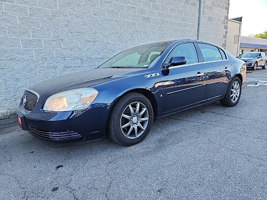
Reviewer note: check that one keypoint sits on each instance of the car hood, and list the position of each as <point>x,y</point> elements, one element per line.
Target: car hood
<point>248,59</point>
<point>80,80</point>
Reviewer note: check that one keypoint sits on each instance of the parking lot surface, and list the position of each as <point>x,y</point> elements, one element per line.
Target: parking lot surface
<point>211,152</point>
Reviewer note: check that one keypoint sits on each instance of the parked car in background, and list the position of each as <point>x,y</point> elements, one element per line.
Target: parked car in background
<point>254,60</point>
<point>123,96</point>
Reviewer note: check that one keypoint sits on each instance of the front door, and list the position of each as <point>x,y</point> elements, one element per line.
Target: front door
<point>218,70</point>
<point>184,86</point>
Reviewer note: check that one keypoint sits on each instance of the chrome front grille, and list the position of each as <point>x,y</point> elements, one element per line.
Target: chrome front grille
<point>29,100</point>
<point>55,136</point>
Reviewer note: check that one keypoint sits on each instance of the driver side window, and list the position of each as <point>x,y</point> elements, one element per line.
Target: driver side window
<point>187,50</point>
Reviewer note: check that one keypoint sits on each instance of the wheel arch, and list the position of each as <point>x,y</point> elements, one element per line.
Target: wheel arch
<point>240,77</point>
<point>144,92</point>
<point>150,97</point>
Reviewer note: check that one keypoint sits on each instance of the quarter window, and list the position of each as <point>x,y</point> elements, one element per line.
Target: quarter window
<point>209,52</point>
<point>187,50</point>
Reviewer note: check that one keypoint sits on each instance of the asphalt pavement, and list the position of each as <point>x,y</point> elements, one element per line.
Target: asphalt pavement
<point>212,152</point>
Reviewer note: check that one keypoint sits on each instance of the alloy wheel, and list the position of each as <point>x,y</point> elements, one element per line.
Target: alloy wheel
<point>134,120</point>
<point>235,91</point>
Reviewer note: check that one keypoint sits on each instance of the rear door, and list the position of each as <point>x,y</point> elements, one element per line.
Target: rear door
<point>217,70</point>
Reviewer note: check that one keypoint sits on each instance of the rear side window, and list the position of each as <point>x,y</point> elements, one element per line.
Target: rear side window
<point>187,50</point>
<point>210,53</point>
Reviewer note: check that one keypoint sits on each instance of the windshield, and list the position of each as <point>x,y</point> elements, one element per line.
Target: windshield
<point>136,57</point>
<point>249,55</point>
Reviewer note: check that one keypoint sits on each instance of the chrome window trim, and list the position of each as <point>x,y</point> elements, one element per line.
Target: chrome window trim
<point>199,42</point>
<point>197,64</point>
<point>224,53</point>
<point>227,58</point>
<point>179,43</point>
<point>218,49</point>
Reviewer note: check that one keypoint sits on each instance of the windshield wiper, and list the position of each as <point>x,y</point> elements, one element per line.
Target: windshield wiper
<point>125,67</point>
<point>118,67</point>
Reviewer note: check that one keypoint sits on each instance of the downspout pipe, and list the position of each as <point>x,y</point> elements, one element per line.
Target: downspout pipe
<point>200,10</point>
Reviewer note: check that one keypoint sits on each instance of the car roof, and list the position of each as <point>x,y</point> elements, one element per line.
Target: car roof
<point>183,40</point>
<point>174,42</point>
<point>197,41</point>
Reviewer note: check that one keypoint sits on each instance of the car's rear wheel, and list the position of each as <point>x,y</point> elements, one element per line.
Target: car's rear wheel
<point>131,119</point>
<point>255,66</point>
<point>233,93</point>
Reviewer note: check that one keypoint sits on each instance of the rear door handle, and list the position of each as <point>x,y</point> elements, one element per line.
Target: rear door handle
<point>200,74</point>
<point>226,69</point>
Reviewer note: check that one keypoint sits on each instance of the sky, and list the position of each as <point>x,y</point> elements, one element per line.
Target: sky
<point>254,14</point>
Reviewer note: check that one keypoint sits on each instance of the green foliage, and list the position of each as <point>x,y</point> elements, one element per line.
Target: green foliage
<point>262,35</point>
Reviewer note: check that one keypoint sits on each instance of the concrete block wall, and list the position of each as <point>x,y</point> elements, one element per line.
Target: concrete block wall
<point>40,39</point>
<point>214,24</point>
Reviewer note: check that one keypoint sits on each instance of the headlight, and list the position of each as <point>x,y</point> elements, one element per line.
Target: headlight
<point>77,99</point>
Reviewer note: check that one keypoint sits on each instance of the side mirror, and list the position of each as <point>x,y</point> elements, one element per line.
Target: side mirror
<point>175,61</point>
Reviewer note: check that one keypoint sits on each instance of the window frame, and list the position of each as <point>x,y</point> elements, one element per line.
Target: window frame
<point>181,43</point>
<point>219,49</point>
<point>199,54</point>
<point>224,56</point>
<point>219,53</point>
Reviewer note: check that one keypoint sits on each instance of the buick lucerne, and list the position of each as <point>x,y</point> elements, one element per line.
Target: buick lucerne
<point>122,97</point>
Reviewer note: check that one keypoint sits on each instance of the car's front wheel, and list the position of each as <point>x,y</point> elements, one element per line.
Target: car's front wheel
<point>233,93</point>
<point>131,119</point>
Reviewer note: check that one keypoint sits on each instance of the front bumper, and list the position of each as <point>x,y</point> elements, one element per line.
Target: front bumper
<point>249,64</point>
<point>65,126</point>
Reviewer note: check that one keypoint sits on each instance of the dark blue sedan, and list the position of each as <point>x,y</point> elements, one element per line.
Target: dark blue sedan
<point>123,96</point>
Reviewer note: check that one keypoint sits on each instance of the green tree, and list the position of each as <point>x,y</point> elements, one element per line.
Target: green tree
<point>262,35</point>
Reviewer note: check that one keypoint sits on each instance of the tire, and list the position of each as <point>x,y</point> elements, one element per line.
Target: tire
<point>255,66</point>
<point>264,66</point>
<point>130,119</point>
<point>233,93</point>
